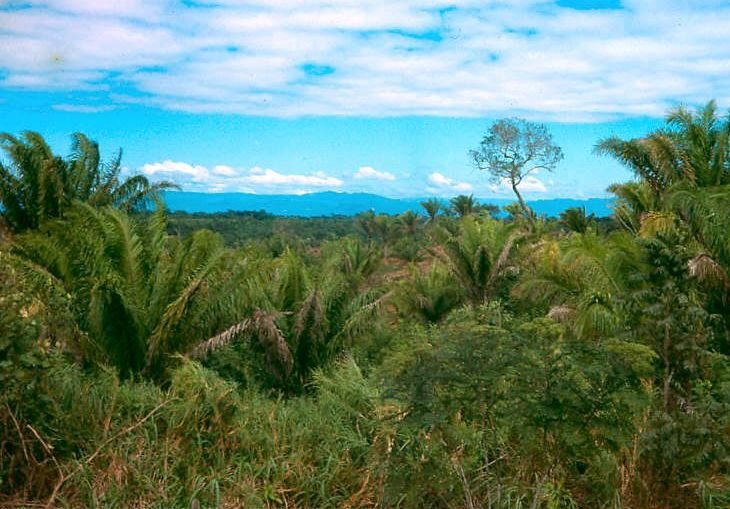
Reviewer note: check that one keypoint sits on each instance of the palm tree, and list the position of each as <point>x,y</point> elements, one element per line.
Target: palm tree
<point>430,296</point>
<point>432,206</point>
<point>576,220</point>
<point>515,214</point>
<point>690,157</point>
<point>357,261</point>
<point>703,140</point>
<point>100,184</point>
<point>477,255</point>
<point>307,316</point>
<point>634,202</point>
<point>380,227</point>
<point>692,148</point>
<point>463,205</point>
<point>684,171</point>
<point>706,215</point>
<point>365,223</point>
<point>490,208</point>
<point>136,294</point>
<point>652,158</point>
<point>410,222</point>
<point>36,185</point>
<point>579,279</point>
<point>31,186</point>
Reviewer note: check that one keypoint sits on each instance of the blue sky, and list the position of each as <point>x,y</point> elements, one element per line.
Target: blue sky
<point>294,96</point>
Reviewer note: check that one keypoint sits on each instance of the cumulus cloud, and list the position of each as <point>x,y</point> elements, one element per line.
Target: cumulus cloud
<point>225,171</point>
<point>173,169</point>
<point>530,184</point>
<point>368,172</point>
<point>411,57</point>
<point>269,177</point>
<point>226,178</point>
<point>443,184</point>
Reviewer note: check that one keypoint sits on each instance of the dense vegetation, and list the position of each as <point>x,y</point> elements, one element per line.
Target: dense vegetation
<point>443,358</point>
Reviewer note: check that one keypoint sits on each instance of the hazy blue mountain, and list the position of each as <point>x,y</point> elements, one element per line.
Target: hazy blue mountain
<point>601,207</point>
<point>329,203</point>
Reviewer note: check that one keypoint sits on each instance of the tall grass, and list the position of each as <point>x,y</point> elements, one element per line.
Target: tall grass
<point>95,441</point>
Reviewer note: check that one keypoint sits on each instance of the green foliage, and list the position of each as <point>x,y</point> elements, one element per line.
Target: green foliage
<point>277,233</point>
<point>135,294</point>
<point>634,200</point>
<point>430,296</point>
<point>576,220</point>
<point>463,205</point>
<point>544,404</point>
<point>433,206</point>
<point>477,255</point>
<point>116,443</point>
<point>580,280</point>
<point>36,185</point>
<point>310,316</point>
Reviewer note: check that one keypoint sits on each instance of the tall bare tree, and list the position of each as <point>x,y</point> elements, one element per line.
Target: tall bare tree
<point>513,149</point>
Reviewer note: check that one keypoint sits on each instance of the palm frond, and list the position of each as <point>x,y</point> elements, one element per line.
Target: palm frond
<point>708,271</point>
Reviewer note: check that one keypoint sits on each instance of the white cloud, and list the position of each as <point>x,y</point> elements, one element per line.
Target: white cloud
<point>225,171</point>
<point>226,178</point>
<point>83,108</point>
<point>126,8</point>
<point>368,172</point>
<point>365,57</point>
<point>530,184</point>
<point>269,177</point>
<point>172,169</point>
<point>441,183</point>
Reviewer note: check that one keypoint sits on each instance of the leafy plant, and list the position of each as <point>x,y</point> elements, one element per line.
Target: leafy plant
<point>37,185</point>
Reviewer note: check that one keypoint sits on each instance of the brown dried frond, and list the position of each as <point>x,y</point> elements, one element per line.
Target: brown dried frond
<point>707,270</point>
<point>311,315</point>
<point>270,337</point>
<point>219,340</point>
<point>262,328</point>
<point>504,256</point>
<point>561,313</point>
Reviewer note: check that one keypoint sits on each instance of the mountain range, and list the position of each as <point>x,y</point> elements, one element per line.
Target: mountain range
<point>332,203</point>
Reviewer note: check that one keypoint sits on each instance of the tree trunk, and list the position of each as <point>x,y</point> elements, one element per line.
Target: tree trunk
<point>667,367</point>
<point>525,209</point>
<point>5,233</point>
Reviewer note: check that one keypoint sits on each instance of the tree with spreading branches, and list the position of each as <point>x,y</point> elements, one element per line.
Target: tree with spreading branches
<point>514,149</point>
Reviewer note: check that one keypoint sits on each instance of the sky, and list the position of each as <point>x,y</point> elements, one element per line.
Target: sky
<point>299,96</point>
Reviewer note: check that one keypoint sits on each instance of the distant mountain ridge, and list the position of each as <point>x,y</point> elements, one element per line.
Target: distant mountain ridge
<point>331,203</point>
